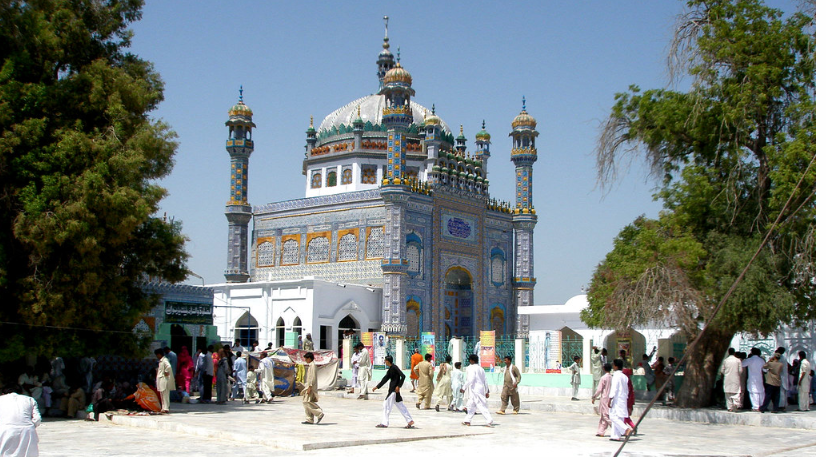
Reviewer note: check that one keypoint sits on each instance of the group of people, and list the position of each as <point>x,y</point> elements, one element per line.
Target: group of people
<point>464,391</point>
<point>615,393</point>
<point>767,383</point>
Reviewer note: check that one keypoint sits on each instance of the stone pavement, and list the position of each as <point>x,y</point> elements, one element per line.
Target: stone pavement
<point>349,429</point>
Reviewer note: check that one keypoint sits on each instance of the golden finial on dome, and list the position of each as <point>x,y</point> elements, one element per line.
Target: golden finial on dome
<point>311,121</point>
<point>358,113</point>
<point>461,130</point>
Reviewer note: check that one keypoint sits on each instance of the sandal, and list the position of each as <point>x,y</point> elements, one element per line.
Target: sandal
<point>381,426</point>
<point>410,426</point>
<point>466,423</point>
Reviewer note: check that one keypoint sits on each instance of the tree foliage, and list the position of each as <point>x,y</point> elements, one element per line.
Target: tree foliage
<point>733,154</point>
<point>79,157</point>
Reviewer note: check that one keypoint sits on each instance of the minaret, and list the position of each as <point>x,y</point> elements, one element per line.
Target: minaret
<point>461,141</point>
<point>238,210</point>
<point>523,156</point>
<point>311,139</point>
<point>385,61</point>
<point>397,116</point>
<point>483,147</point>
<point>432,126</point>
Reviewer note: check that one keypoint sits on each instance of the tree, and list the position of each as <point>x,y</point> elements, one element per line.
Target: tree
<point>733,154</point>
<point>79,157</point>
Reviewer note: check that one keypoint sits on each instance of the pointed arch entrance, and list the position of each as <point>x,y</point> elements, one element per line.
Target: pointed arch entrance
<point>246,329</point>
<point>459,302</point>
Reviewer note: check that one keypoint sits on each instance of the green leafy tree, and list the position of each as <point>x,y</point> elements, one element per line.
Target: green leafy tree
<point>731,152</point>
<point>79,161</point>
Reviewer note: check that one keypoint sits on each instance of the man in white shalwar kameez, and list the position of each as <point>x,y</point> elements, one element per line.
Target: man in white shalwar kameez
<point>754,364</point>
<point>354,364</point>
<point>784,379</point>
<point>365,370</point>
<point>618,402</point>
<point>265,366</point>
<point>19,419</point>
<point>731,370</point>
<point>804,382</point>
<point>457,382</point>
<point>476,386</point>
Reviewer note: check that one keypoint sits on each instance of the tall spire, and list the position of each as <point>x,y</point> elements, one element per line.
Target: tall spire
<point>386,60</point>
<point>241,94</point>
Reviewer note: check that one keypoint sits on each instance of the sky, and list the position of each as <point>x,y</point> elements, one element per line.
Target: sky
<point>474,60</point>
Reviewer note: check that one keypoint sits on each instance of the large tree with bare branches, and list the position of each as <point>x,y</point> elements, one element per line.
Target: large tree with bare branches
<point>734,160</point>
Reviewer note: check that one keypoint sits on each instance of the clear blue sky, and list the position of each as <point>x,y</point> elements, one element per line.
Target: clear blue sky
<point>474,60</point>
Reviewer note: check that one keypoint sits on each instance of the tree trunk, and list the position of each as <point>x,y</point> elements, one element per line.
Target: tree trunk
<point>701,368</point>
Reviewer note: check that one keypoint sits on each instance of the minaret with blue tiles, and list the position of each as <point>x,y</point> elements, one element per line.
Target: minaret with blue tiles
<point>238,210</point>
<point>397,116</point>
<point>523,155</point>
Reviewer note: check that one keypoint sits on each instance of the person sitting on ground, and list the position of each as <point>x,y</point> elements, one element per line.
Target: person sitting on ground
<point>76,401</point>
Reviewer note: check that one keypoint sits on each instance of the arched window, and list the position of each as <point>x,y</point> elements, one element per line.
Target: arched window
<point>316,180</point>
<point>318,250</point>
<point>497,267</point>
<point>289,252</point>
<point>348,247</point>
<point>297,326</point>
<point>332,180</point>
<point>414,254</point>
<point>246,329</point>
<point>280,329</point>
<point>375,243</point>
<point>266,254</point>
<point>347,176</point>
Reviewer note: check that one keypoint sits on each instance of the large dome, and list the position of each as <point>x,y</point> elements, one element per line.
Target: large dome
<point>371,110</point>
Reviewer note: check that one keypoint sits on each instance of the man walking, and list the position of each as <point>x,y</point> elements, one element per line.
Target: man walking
<point>310,392</point>
<point>732,369</point>
<point>425,391</point>
<point>476,386</point>
<point>365,370</point>
<point>164,380</point>
<point>754,366</point>
<point>618,402</point>
<point>394,397</point>
<point>510,387</point>
<point>267,381</point>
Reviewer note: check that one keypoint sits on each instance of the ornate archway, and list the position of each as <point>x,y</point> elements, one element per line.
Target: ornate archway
<point>459,302</point>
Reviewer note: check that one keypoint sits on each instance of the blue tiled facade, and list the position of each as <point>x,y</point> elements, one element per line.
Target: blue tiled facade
<point>395,202</point>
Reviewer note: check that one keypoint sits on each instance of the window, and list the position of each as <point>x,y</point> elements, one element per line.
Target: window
<point>316,180</point>
<point>413,254</point>
<point>348,247</point>
<point>266,254</point>
<point>289,252</point>
<point>375,243</point>
<point>497,267</point>
<point>332,180</point>
<point>368,174</point>
<point>318,250</point>
<point>413,257</point>
<point>347,176</point>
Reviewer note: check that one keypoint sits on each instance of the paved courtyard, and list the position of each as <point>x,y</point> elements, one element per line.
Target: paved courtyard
<point>348,429</point>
